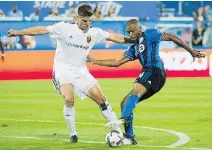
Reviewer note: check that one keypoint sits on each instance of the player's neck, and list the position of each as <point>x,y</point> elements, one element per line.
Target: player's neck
<point>83,30</point>
<point>140,35</point>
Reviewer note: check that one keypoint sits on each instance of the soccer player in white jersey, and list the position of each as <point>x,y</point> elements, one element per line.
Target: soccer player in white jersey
<point>70,74</point>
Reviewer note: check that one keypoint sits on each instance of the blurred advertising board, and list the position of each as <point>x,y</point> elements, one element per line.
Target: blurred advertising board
<point>30,65</point>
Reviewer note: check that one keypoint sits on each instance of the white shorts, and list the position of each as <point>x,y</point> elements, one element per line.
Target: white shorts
<point>80,79</point>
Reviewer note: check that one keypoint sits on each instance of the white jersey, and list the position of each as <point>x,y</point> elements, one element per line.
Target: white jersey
<point>73,44</point>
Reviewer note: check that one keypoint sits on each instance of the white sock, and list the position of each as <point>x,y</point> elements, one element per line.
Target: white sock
<point>69,115</point>
<point>109,114</point>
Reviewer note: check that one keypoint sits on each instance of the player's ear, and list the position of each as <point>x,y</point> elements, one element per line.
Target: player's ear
<point>140,27</point>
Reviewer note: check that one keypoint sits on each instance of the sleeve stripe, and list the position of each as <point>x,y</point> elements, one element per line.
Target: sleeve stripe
<point>129,57</point>
<point>161,36</point>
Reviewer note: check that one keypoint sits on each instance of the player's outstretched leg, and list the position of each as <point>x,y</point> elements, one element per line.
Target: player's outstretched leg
<point>96,94</point>
<point>128,126</point>
<point>130,104</point>
<point>127,119</point>
<point>127,111</point>
<point>127,115</point>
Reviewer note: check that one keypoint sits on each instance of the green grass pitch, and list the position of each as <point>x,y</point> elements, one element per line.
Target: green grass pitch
<point>179,116</point>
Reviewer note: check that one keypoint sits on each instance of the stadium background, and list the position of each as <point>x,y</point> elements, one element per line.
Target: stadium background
<point>26,55</point>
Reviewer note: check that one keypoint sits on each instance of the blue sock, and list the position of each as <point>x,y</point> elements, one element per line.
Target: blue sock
<point>129,106</point>
<point>127,112</point>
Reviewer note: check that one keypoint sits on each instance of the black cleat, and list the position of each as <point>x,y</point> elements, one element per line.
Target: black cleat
<point>132,139</point>
<point>74,139</point>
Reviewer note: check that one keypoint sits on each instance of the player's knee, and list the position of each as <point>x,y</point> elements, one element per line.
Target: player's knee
<point>69,100</point>
<point>138,93</point>
<point>100,99</point>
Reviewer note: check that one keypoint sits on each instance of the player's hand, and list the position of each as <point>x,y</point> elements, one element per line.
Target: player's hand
<point>12,33</point>
<point>197,54</point>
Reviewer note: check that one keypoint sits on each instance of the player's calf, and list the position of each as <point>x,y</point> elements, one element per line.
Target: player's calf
<point>96,94</point>
<point>109,114</point>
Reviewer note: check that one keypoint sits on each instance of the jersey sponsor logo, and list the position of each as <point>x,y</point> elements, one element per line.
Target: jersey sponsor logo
<point>89,38</point>
<point>70,44</point>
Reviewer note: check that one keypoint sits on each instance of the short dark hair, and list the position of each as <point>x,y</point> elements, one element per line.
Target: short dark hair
<point>85,10</point>
<point>132,21</point>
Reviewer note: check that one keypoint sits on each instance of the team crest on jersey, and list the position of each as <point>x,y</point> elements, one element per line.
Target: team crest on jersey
<point>141,48</point>
<point>89,38</point>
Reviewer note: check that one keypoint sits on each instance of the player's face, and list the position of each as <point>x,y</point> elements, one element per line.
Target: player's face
<point>133,30</point>
<point>84,22</point>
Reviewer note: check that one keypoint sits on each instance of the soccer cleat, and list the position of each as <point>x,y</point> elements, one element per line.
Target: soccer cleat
<point>133,140</point>
<point>74,139</point>
<point>117,123</point>
<point>114,123</point>
<point>129,140</point>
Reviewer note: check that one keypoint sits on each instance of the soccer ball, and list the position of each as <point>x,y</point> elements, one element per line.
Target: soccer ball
<point>114,138</point>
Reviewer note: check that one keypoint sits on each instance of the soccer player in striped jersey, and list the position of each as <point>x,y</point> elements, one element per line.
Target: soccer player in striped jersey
<point>152,77</point>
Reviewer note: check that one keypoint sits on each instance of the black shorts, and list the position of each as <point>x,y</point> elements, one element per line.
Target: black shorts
<point>152,79</point>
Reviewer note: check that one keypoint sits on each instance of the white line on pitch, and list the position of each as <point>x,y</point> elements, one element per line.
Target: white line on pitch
<point>94,142</point>
<point>183,138</point>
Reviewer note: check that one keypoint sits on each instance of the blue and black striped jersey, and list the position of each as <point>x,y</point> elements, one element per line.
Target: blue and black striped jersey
<point>147,49</point>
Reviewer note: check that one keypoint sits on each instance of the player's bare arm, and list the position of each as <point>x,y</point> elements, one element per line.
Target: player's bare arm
<point>2,51</point>
<point>119,38</point>
<point>178,41</point>
<point>29,31</point>
<point>109,62</point>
